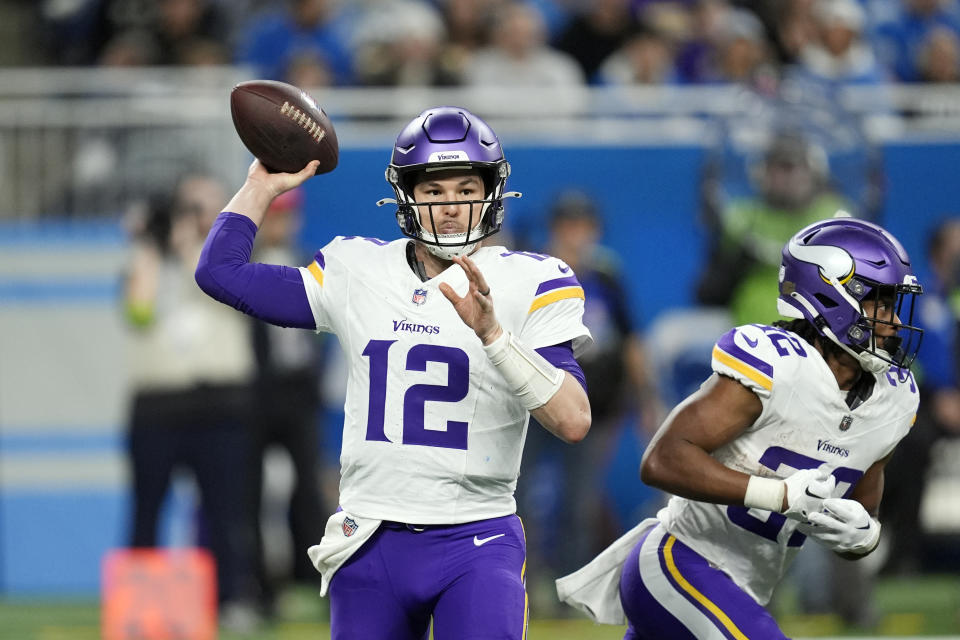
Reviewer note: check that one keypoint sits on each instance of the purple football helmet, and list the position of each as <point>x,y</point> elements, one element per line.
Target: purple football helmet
<point>448,138</point>
<point>830,268</point>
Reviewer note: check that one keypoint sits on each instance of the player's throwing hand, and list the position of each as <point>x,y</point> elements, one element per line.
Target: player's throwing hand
<point>277,183</point>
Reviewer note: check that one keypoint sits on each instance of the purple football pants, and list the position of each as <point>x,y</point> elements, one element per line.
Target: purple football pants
<point>469,578</point>
<point>669,591</point>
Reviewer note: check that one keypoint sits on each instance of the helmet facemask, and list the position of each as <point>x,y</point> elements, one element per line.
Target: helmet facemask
<point>891,349</point>
<point>448,139</point>
<point>421,220</point>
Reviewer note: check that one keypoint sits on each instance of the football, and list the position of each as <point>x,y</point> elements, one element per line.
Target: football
<point>283,126</point>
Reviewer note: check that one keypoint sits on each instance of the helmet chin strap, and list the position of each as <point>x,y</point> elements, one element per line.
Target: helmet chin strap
<point>868,361</point>
<point>449,245</point>
<point>449,253</point>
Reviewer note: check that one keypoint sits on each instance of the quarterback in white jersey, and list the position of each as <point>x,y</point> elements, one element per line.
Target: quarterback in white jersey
<point>419,376</point>
<point>451,346</point>
<point>786,441</point>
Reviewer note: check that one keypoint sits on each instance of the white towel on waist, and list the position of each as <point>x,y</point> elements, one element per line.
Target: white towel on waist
<point>595,588</point>
<point>342,537</point>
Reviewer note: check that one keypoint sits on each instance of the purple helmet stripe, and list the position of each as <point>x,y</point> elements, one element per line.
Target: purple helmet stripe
<point>318,256</point>
<point>550,285</point>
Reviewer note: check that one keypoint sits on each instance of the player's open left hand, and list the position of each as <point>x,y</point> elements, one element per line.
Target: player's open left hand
<point>476,307</point>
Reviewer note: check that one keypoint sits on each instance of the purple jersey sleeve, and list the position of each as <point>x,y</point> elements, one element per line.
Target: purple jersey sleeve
<point>561,356</point>
<point>270,292</point>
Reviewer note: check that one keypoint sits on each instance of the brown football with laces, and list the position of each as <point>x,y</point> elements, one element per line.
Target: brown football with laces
<point>283,126</point>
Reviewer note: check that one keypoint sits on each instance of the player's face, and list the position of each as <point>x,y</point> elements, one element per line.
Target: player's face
<point>447,189</point>
<point>884,311</point>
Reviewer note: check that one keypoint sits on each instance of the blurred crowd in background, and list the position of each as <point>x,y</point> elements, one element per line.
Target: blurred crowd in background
<point>286,387</point>
<point>316,43</point>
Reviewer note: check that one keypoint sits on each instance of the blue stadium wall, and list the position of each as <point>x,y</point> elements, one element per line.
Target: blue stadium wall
<point>55,529</point>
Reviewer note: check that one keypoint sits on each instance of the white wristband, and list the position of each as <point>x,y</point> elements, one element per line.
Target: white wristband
<point>764,493</point>
<point>528,374</point>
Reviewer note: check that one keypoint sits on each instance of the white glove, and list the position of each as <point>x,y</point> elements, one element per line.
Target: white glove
<point>843,526</point>
<point>806,491</point>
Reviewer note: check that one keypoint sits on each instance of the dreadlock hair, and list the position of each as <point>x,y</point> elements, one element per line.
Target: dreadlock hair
<point>803,328</point>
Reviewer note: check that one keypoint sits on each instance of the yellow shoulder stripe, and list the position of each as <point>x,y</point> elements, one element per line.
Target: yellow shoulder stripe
<point>317,272</point>
<point>699,597</point>
<point>554,296</point>
<point>723,357</point>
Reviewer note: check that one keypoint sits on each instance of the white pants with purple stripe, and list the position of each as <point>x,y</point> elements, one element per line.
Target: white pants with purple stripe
<point>669,591</point>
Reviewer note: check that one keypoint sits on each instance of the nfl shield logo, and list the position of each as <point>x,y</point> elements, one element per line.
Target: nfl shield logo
<point>846,422</point>
<point>419,296</point>
<point>349,527</point>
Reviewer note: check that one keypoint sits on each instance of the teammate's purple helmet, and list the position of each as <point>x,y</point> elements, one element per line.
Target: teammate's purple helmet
<point>449,138</point>
<point>830,267</point>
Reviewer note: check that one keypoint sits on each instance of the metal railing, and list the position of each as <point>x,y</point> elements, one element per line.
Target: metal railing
<point>85,142</point>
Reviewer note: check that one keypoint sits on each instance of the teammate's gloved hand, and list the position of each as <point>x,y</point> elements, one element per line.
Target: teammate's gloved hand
<point>806,491</point>
<point>844,526</point>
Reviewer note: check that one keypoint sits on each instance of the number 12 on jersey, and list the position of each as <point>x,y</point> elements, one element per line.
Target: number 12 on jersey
<point>417,395</point>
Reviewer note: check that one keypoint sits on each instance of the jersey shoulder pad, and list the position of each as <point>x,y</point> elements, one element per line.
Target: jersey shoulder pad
<point>754,354</point>
<point>551,280</point>
<point>901,388</point>
<point>357,250</point>
<point>359,244</point>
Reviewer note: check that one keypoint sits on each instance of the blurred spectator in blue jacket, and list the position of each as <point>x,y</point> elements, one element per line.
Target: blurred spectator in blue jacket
<point>900,37</point>
<point>275,38</point>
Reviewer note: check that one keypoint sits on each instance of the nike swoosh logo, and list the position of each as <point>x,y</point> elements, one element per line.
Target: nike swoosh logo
<point>812,495</point>
<point>563,269</point>
<point>482,541</point>
<point>750,342</point>
<point>865,527</point>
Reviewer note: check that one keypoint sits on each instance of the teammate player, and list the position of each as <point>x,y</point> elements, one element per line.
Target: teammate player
<point>451,345</point>
<point>786,441</point>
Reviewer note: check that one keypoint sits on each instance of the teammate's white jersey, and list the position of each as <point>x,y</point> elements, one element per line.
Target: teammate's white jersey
<point>805,422</point>
<point>432,435</point>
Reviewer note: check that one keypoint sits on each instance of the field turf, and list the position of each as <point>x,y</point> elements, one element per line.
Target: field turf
<point>919,607</point>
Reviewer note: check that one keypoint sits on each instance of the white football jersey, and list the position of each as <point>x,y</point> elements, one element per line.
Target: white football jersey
<point>431,433</point>
<point>805,422</point>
